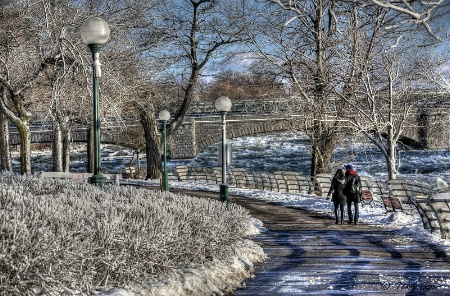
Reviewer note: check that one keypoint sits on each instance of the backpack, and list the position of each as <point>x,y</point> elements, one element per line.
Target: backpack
<point>355,187</point>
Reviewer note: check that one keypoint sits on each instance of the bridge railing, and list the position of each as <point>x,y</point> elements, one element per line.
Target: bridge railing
<point>248,107</point>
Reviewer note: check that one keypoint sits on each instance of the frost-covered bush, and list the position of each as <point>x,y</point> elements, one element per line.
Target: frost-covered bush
<point>59,237</point>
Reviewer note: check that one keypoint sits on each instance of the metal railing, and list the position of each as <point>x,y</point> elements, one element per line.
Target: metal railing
<point>433,206</point>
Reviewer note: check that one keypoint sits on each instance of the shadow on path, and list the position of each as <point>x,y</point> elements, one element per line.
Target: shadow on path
<point>310,255</point>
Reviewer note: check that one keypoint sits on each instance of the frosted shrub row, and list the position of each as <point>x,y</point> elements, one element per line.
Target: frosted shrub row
<point>59,236</point>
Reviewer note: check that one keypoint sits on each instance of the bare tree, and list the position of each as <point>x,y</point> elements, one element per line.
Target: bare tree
<point>320,47</point>
<point>40,71</point>
<point>417,12</point>
<point>383,112</point>
<point>22,61</point>
<point>300,38</point>
<point>121,72</point>
<point>377,91</point>
<point>44,57</point>
<point>197,31</point>
<point>5,159</point>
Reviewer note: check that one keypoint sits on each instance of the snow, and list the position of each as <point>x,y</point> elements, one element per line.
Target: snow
<point>218,276</point>
<point>206,279</point>
<point>213,278</point>
<point>405,224</point>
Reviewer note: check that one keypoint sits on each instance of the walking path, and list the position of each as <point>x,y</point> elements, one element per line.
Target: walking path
<point>310,255</point>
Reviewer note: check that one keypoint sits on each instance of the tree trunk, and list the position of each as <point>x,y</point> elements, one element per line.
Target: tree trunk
<point>66,150</point>
<point>323,138</point>
<point>25,147</point>
<point>321,160</point>
<point>322,149</point>
<point>57,147</point>
<point>5,159</point>
<point>390,161</point>
<point>152,145</point>
<point>391,138</point>
<point>390,156</point>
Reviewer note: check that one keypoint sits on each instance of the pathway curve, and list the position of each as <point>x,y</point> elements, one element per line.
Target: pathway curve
<point>310,255</point>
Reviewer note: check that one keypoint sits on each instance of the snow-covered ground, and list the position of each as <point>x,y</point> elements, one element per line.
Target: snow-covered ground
<point>213,274</point>
<point>407,224</point>
<point>210,277</point>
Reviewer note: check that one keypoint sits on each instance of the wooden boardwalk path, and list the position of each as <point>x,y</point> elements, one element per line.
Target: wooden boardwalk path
<point>310,255</point>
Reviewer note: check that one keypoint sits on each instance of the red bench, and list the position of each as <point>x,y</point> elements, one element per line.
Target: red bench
<point>366,198</point>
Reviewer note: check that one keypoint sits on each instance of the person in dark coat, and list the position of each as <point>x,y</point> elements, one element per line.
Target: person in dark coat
<point>352,198</point>
<point>339,199</point>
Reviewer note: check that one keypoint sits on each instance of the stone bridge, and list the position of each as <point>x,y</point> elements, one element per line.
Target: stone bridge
<point>202,127</point>
<point>199,133</point>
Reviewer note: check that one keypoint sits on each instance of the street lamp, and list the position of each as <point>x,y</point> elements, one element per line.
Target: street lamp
<point>223,105</point>
<point>164,115</point>
<point>95,33</point>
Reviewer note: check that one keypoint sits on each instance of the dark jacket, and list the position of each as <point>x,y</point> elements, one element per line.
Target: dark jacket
<point>351,175</point>
<point>337,188</point>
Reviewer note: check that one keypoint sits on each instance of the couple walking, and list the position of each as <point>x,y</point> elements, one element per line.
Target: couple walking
<point>346,189</point>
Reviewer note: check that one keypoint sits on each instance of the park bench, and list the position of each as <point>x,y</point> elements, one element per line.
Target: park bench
<point>258,180</point>
<point>271,182</point>
<point>414,188</point>
<point>80,177</point>
<point>366,183</point>
<point>366,197</point>
<point>243,178</point>
<point>209,175</point>
<point>379,188</point>
<point>217,174</point>
<point>392,203</point>
<point>397,190</point>
<point>240,175</point>
<point>231,180</point>
<point>59,175</point>
<point>190,174</point>
<point>172,175</point>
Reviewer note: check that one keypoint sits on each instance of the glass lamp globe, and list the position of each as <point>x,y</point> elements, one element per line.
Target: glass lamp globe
<point>223,104</point>
<point>164,115</point>
<point>95,30</point>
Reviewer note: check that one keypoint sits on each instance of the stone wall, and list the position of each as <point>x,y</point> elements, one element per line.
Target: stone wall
<point>182,144</point>
<point>201,133</point>
<point>436,131</point>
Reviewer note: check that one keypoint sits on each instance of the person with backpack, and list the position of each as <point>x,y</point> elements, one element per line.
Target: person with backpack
<point>339,199</point>
<point>352,191</point>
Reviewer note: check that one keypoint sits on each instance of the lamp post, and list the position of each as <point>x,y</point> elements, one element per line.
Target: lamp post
<point>164,115</point>
<point>95,32</point>
<point>223,105</point>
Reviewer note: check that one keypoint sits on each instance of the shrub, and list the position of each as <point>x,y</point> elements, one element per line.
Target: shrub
<point>59,236</point>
